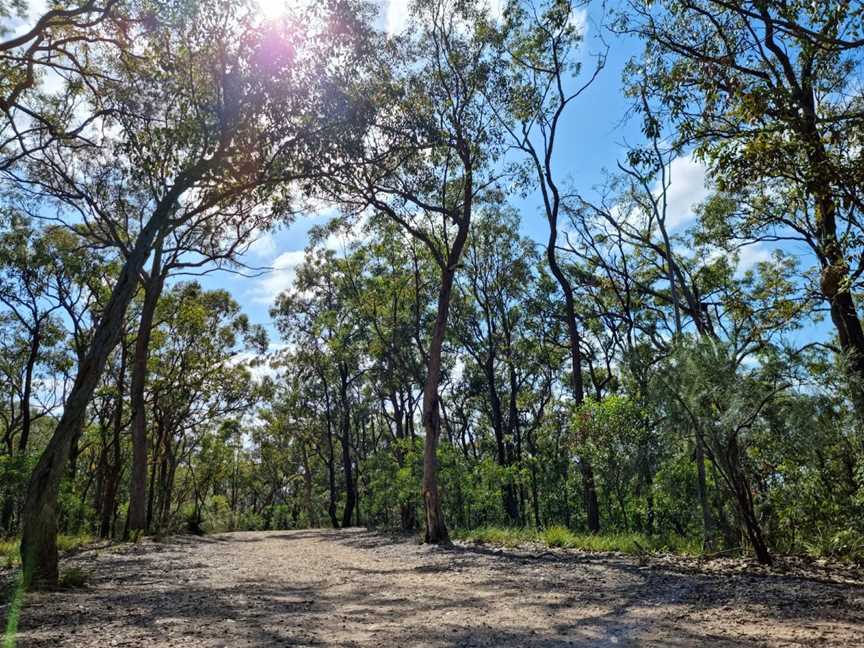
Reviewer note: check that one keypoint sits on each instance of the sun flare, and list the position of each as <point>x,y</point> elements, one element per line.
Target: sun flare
<point>273,9</point>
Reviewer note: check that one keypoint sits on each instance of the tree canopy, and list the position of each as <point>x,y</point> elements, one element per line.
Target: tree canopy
<point>473,336</point>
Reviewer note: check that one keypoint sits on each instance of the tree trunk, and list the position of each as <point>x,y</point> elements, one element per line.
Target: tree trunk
<point>26,415</point>
<point>436,529</point>
<point>702,486</point>
<point>345,439</point>
<point>138,483</point>
<point>311,517</point>
<point>331,461</point>
<point>151,492</point>
<point>39,534</point>
<point>109,501</point>
<point>835,280</point>
<point>589,488</point>
<point>508,492</point>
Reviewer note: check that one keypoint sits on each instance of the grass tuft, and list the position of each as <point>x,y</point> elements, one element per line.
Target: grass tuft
<point>73,578</point>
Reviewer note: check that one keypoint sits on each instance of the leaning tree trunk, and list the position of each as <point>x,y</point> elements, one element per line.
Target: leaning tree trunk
<point>138,484</point>
<point>835,280</point>
<point>39,531</point>
<point>836,286</point>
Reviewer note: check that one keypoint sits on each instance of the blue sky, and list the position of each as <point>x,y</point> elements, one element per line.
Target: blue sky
<point>591,140</point>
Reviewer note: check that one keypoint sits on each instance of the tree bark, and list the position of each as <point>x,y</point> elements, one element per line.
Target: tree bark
<point>436,529</point>
<point>331,461</point>
<point>26,415</point>
<point>311,517</point>
<point>138,483</point>
<point>345,440</point>
<point>109,501</point>
<point>702,486</point>
<point>589,488</point>
<point>39,535</point>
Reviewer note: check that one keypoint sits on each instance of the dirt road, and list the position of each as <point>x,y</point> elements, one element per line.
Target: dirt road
<point>359,588</point>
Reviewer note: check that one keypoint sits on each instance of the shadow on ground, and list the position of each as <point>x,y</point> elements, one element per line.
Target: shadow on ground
<point>359,588</point>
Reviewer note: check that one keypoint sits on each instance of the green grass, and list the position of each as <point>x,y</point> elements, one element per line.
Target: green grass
<point>561,537</point>
<point>9,547</point>
<point>9,552</point>
<point>501,536</point>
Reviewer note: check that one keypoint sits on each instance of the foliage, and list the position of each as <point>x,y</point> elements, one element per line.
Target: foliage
<point>618,372</point>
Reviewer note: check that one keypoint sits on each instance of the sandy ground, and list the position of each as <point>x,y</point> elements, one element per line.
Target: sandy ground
<point>359,588</point>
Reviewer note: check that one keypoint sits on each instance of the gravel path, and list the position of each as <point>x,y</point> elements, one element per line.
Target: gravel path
<point>359,588</point>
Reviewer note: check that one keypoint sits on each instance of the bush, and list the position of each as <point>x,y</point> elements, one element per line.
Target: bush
<point>73,578</point>
<point>847,544</point>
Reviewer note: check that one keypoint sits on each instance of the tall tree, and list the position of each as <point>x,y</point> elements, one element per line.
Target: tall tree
<point>431,154</point>
<point>542,47</point>
<point>182,146</point>
<point>767,94</point>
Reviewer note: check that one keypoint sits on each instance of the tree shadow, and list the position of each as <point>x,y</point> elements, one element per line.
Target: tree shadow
<point>387,591</point>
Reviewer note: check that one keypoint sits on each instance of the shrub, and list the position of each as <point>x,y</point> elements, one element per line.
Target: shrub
<point>73,578</point>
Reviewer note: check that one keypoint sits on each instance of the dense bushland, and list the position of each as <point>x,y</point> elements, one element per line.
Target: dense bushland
<point>475,341</point>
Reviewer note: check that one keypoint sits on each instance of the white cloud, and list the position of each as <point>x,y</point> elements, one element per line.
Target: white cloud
<point>260,366</point>
<point>263,246</point>
<point>397,16</point>
<point>496,8</point>
<point>34,11</point>
<point>279,279</point>
<point>687,188</point>
<point>750,255</point>
<point>342,239</point>
<point>578,20</point>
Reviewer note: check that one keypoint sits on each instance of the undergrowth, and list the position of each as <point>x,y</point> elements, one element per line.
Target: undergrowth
<point>562,537</point>
<point>10,554</point>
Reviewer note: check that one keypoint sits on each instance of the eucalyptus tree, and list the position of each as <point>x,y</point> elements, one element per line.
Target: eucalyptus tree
<point>542,46</point>
<point>392,290</point>
<point>30,313</point>
<point>200,246</point>
<point>200,123</point>
<point>198,380</point>
<point>50,49</point>
<point>745,312</point>
<point>287,441</point>
<point>489,322</point>
<point>318,315</point>
<point>49,290</point>
<point>729,402</point>
<point>431,155</point>
<point>769,95</point>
